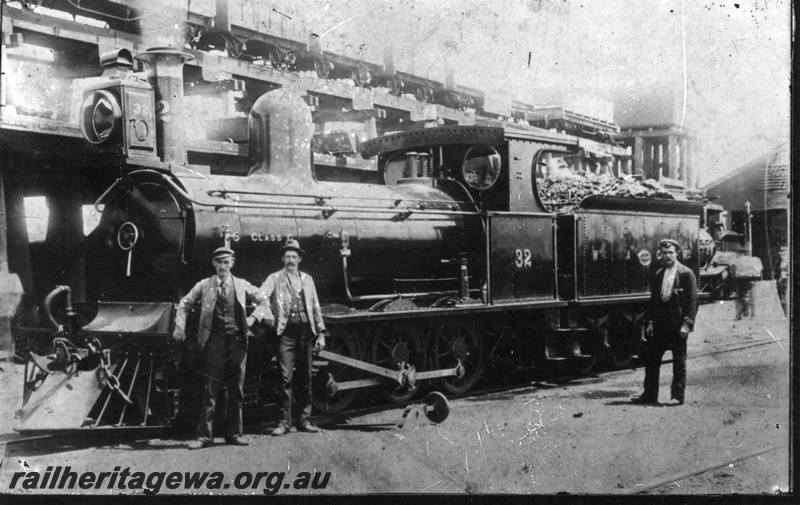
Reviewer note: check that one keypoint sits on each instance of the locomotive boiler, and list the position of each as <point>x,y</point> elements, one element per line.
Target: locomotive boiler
<point>439,265</point>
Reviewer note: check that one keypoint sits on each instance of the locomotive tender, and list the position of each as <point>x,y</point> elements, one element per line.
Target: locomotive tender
<point>443,262</point>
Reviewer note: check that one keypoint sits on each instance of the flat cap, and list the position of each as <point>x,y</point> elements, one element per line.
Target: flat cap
<point>668,242</point>
<point>222,252</point>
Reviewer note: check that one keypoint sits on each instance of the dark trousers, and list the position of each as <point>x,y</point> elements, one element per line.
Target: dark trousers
<point>783,293</point>
<point>665,337</point>
<point>294,356</point>
<point>221,352</point>
<point>744,300</point>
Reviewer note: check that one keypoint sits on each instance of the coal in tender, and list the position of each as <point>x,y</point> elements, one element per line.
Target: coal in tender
<point>563,193</point>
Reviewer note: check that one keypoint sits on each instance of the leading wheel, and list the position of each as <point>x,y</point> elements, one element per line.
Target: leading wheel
<point>393,344</point>
<point>339,341</point>
<point>437,407</point>
<point>458,341</point>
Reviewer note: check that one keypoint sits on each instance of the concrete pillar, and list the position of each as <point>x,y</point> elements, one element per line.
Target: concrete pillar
<point>673,160</point>
<point>388,59</point>
<point>638,156</point>
<point>691,165</point>
<point>649,159</point>
<point>683,147</point>
<point>65,239</point>
<point>11,290</point>
<point>449,77</point>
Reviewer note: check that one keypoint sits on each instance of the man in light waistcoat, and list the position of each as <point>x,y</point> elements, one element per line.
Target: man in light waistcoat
<point>300,329</point>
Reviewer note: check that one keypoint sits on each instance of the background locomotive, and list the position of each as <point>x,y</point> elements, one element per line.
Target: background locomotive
<point>442,262</point>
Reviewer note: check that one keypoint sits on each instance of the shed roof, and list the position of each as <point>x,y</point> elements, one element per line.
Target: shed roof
<point>764,182</point>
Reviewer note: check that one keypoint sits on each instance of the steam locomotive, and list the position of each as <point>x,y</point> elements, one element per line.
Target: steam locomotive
<point>442,262</point>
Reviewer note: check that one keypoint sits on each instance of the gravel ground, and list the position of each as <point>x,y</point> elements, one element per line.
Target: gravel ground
<point>576,436</point>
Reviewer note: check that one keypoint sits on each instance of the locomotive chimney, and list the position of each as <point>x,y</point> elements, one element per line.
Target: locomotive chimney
<point>166,77</point>
<point>281,129</point>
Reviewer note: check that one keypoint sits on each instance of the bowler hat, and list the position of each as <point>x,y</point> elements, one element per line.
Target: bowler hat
<point>291,245</point>
<point>222,252</point>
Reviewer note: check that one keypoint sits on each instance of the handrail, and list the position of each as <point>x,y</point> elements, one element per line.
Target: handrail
<point>105,194</point>
<point>326,208</point>
<point>222,192</point>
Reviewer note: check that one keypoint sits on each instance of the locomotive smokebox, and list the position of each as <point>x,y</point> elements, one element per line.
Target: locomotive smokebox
<point>281,129</point>
<point>166,77</point>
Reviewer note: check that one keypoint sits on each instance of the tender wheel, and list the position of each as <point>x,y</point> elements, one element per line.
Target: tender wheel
<point>621,356</point>
<point>424,94</point>
<point>395,343</point>
<point>340,341</point>
<point>584,365</point>
<point>275,58</point>
<point>623,344</point>
<point>281,58</point>
<point>322,67</point>
<point>450,101</point>
<point>361,76</point>
<point>454,341</point>
<point>234,47</point>
<point>395,86</point>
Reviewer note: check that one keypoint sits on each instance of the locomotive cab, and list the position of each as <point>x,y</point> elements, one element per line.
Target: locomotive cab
<point>474,157</point>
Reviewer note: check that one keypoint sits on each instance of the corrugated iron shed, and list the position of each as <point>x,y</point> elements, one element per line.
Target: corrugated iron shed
<point>764,182</point>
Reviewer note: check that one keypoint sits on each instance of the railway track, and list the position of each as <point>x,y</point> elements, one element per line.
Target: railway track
<point>661,481</point>
<point>17,439</point>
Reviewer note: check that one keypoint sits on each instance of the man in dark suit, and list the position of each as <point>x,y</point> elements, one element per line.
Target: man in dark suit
<point>670,318</point>
<point>222,336</point>
<point>298,321</point>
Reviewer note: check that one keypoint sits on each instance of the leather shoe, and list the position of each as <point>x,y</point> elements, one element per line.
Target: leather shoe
<point>676,401</point>
<point>236,440</point>
<point>308,428</point>
<point>199,444</point>
<point>643,400</point>
<point>279,431</point>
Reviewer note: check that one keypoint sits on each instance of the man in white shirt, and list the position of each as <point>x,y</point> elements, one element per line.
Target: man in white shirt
<point>670,318</point>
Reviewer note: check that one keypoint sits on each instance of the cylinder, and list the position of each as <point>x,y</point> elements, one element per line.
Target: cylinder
<point>166,77</point>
